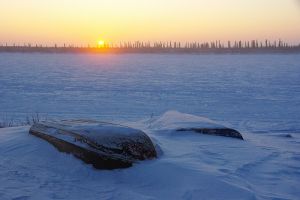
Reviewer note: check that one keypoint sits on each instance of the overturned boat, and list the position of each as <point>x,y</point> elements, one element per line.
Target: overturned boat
<point>104,145</point>
<point>225,132</point>
<point>182,122</point>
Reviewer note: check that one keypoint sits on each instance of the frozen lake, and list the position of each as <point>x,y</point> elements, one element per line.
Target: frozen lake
<point>257,93</point>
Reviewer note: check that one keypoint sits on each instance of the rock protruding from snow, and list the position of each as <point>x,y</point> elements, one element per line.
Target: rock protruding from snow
<point>174,120</point>
<point>104,145</point>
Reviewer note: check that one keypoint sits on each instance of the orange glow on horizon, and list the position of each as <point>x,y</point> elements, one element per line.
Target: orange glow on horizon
<point>52,21</point>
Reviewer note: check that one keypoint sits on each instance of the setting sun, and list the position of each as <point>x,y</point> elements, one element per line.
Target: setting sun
<point>150,99</point>
<point>101,43</point>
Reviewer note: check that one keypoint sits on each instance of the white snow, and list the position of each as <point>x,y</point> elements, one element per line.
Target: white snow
<point>252,92</point>
<point>192,166</point>
<point>173,120</point>
<point>257,94</point>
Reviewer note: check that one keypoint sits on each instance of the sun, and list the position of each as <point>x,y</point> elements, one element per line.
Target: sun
<point>101,43</point>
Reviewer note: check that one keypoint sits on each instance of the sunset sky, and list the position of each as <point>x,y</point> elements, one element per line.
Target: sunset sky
<point>87,21</point>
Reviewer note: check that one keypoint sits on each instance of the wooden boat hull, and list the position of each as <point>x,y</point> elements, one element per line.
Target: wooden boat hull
<point>88,141</point>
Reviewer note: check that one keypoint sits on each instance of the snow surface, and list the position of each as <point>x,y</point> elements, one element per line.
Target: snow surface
<point>255,93</point>
<point>192,166</point>
<point>173,120</point>
<point>258,95</point>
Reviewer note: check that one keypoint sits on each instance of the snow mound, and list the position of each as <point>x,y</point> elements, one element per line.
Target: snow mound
<point>263,167</point>
<point>173,120</point>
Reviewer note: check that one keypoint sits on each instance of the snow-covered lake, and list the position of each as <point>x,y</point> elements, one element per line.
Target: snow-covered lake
<point>259,95</point>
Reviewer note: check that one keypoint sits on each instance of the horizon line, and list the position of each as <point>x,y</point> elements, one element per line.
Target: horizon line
<point>163,44</point>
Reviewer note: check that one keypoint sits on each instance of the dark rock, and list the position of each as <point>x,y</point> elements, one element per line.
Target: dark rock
<point>104,145</point>
<point>226,132</point>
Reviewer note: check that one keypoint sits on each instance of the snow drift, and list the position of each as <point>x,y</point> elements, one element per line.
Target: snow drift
<point>192,166</point>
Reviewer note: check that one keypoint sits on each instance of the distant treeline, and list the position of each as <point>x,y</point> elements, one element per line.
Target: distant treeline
<point>253,46</point>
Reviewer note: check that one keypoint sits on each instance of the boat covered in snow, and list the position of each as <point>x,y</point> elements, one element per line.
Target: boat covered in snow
<point>104,145</point>
<point>182,122</point>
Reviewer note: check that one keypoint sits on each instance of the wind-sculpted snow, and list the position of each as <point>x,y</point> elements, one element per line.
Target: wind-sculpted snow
<point>174,120</point>
<point>190,166</point>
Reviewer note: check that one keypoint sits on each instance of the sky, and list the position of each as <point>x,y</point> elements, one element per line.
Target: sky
<point>84,22</point>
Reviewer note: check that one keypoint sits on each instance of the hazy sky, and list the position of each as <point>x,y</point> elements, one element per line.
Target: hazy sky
<point>86,21</point>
